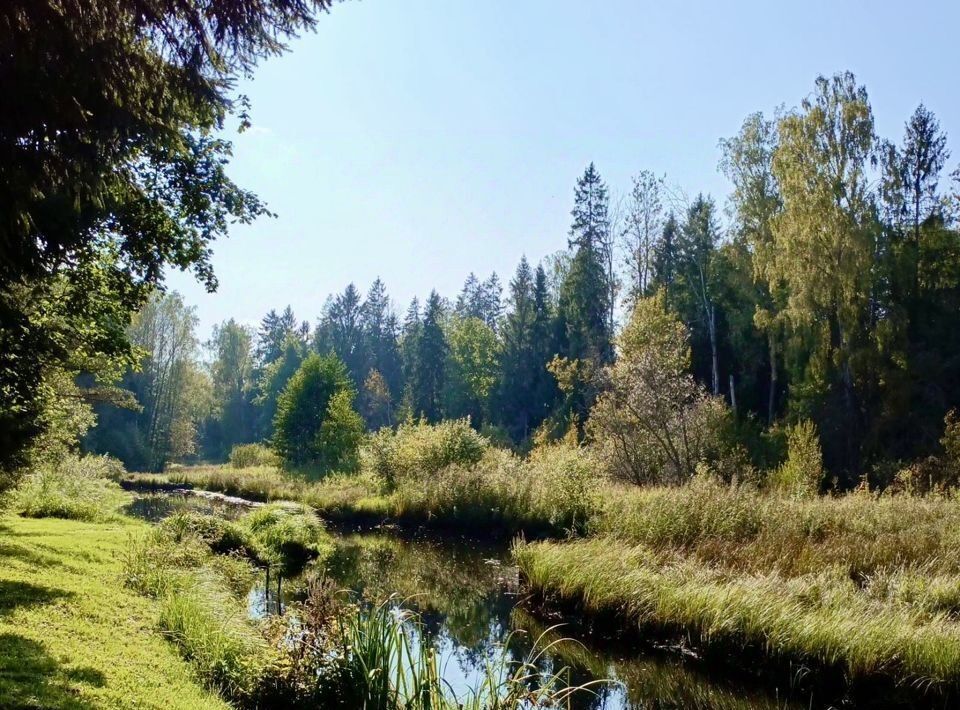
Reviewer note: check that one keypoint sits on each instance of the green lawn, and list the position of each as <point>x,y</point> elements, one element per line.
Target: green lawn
<point>71,635</point>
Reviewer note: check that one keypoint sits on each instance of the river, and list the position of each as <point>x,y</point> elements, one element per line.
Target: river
<point>470,603</point>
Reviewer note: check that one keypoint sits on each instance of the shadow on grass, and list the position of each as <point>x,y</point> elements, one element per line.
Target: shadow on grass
<point>15,594</point>
<point>25,554</point>
<point>31,678</point>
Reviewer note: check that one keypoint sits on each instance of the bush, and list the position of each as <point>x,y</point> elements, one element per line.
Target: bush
<point>418,451</point>
<point>801,474</point>
<point>248,455</point>
<point>77,487</point>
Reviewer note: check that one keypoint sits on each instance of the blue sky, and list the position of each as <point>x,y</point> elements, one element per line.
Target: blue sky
<point>417,140</point>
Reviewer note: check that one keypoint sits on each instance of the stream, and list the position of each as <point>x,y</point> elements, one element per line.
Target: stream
<point>467,593</point>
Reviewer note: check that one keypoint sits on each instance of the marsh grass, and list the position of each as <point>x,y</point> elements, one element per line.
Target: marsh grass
<point>824,617</point>
<point>202,613</point>
<point>745,530</point>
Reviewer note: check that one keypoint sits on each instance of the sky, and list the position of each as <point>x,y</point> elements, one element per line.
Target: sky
<point>420,140</point>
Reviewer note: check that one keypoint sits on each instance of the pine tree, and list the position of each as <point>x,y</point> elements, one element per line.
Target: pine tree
<point>380,329</point>
<point>341,333</point>
<point>518,370</point>
<point>431,355</point>
<point>272,335</point>
<point>409,354</point>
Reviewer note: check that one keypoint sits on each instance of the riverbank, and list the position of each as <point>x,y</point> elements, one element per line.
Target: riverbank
<point>867,586</point>
<point>72,635</point>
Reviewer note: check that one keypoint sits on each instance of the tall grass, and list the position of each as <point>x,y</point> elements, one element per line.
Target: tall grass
<point>202,612</point>
<point>742,529</point>
<point>76,487</point>
<point>385,665</point>
<point>823,616</point>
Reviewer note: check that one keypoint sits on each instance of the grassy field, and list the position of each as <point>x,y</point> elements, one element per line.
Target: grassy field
<point>71,635</point>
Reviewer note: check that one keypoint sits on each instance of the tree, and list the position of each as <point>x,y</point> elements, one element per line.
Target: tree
<point>748,163</point>
<point>111,171</point>
<point>914,207</point>
<point>376,402</point>
<point>315,424</point>
<point>472,369</point>
<point>643,227</point>
<point>824,246</point>
<point>341,333</point>
<point>168,386</point>
<point>654,423</point>
<point>272,381</point>
<point>409,353</point>
<point>272,335</point>
<point>701,234</point>
<point>431,359</point>
<point>666,257</point>
<point>380,330</point>
<point>482,300</point>
<point>233,386</point>
<point>515,398</point>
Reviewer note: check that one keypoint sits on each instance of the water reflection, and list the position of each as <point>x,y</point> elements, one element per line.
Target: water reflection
<point>466,593</point>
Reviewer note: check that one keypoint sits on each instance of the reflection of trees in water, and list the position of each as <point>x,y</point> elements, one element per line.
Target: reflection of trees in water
<point>467,615</point>
<point>449,584</point>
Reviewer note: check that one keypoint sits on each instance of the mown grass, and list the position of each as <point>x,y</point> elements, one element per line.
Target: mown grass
<point>71,635</point>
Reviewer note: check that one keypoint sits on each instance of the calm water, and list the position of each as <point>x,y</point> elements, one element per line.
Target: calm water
<point>467,594</point>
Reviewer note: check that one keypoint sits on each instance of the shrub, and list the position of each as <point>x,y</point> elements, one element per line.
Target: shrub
<point>77,487</point>
<point>416,451</point>
<point>567,487</point>
<point>248,455</point>
<point>801,474</point>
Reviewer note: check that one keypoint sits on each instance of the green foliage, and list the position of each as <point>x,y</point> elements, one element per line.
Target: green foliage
<point>473,369</point>
<point>654,423</point>
<point>308,402</point>
<point>113,175</point>
<point>341,434</point>
<point>416,451</point>
<point>802,473</point>
<point>289,534</point>
<point>76,487</point>
<point>249,455</point>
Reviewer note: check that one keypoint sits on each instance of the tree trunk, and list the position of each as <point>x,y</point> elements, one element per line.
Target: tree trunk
<point>772,395</point>
<point>715,360</point>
